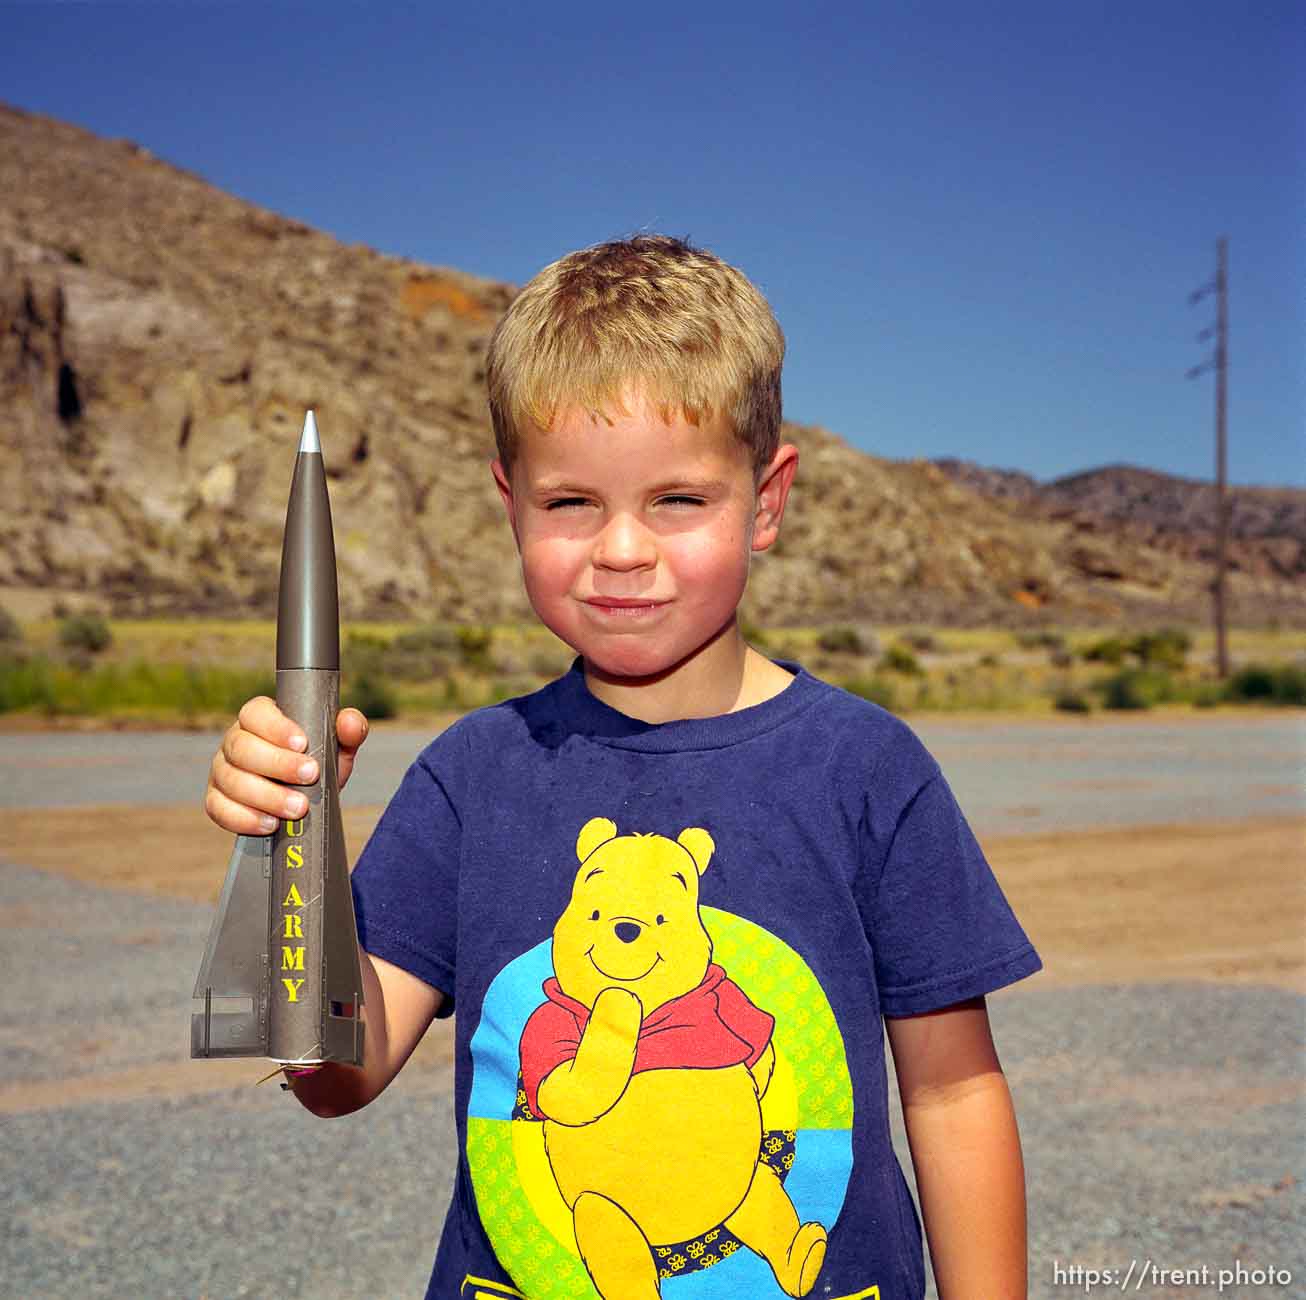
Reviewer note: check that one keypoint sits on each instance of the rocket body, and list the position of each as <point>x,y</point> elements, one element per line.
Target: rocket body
<point>280,976</point>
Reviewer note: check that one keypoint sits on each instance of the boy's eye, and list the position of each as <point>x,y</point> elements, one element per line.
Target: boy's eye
<point>681,501</point>
<point>565,503</point>
<point>594,915</point>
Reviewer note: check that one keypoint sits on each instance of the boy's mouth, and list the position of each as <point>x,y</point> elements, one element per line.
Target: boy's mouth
<point>618,606</point>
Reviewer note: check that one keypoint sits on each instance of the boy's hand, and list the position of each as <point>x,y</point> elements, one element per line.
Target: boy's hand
<point>262,752</point>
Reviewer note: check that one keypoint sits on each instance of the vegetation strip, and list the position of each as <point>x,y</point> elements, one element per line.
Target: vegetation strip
<point>173,673</point>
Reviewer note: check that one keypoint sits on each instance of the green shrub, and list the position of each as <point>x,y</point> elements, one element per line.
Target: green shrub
<point>753,633</point>
<point>457,693</point>
<point>85,632</point>
<point>1072,701</point>
<point>1109,650</point>
<point>509,687</point>
<point>1290,685</point>
<point>1124,692</point>
<point>550,662</point>
<point>926,697</point>
<point>876,689</point>
<point>435,637</point>
<point>200,689</point>
<point>10,631</point>
<point>363,653</point>
<point>474,646</point>
<point>414,656</point>
<point>1166,648</point>
<point>1040,640</point>
<point>1254,682</point>
<point>80,659</point>
<point>1207,695</point>
<point>840,640</point>
<point>26,686</point>
<point>1138,688</point>
<point>1269,684</point>
<point>898,659</point>
<point>990,660</point>
<point>372,695</point>
<point>924,643</point>
<point>364,643</point>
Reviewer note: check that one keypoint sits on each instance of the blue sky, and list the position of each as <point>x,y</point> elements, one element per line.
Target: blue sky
<point>978,224</point>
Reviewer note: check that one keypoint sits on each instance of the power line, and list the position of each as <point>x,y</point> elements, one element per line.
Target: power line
<point>1219,362</point>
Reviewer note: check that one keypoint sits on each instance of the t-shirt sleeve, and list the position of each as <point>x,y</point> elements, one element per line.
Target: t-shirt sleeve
<point>406,879</point>
<point>940,928</point>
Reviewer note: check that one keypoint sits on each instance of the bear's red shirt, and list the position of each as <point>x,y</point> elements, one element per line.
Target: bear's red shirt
<point>711,1026</point>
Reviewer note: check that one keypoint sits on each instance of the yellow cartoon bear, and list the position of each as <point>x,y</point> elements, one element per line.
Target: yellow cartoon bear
<point>647,1066</point>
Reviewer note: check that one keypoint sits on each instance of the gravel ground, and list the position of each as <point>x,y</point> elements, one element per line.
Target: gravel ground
<point>1160,1123</point>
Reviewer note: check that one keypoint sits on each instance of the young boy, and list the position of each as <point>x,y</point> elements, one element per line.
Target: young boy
<point>675,894</point>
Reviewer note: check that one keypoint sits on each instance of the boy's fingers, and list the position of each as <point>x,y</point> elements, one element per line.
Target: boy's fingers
<point>254,793</point>
<point>250,753</point>
<point>351,728</point>
<point>259,752</point>
<point>262,717</point>
<point>351,731</point>
<point>235,817</point>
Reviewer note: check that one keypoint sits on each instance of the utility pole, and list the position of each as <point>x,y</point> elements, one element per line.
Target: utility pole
<point>1219,362</point>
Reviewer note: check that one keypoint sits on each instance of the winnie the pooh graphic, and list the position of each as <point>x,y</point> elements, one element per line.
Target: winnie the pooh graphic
<point>647,1066</point>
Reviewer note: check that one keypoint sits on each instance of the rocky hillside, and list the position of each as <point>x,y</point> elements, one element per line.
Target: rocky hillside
<point>1267,526</point>
<point>159,341</point>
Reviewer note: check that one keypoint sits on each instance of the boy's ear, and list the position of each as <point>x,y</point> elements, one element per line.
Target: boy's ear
<point>772,493</point>
<point>504,483</point>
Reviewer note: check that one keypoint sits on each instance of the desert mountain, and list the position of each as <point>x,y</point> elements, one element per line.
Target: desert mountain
<point>1267,526</point>
<point>160,340</point>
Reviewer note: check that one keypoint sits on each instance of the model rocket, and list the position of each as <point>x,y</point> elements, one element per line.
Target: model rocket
<point>280,976</point>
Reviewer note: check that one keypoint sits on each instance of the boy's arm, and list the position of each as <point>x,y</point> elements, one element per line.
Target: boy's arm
<point>961,1128</point>
<point>397,1009</point>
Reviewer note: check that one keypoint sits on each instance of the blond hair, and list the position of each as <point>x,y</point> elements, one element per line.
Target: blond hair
<point>691,331</point>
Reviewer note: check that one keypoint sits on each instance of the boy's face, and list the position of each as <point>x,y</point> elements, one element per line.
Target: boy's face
<point>635,536</point>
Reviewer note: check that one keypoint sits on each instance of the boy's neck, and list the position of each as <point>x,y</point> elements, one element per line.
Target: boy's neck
<point>723,677</point>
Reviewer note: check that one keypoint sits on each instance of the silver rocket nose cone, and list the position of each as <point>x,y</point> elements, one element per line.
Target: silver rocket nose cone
<point>308,440</point>
<point>308,617</point>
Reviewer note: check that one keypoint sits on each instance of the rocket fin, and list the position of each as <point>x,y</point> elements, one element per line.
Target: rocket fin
<point>235,964</point>
<point>342,976</point>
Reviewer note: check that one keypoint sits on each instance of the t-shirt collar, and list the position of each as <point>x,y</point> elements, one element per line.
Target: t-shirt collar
<point>581,713</point>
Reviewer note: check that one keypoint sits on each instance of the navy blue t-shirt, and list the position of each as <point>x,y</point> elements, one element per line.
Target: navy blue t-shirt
<point>671,948</point>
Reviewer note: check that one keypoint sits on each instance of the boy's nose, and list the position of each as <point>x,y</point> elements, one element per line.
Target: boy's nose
<point>627,931</point>
<point>624,544</point>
